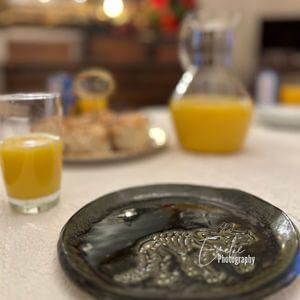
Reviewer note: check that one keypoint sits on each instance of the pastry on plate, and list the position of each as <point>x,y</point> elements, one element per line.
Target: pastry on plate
<point>130,132</point>
<point>82,136</point>
<point>101,133</point>
<point>106,117</point>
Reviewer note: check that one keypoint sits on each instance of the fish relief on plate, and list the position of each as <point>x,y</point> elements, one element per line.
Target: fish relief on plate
<point>171,246</point>
<point>164,257</point>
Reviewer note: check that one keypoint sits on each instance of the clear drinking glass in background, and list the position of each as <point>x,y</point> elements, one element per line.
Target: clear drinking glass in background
<point>31,150</point>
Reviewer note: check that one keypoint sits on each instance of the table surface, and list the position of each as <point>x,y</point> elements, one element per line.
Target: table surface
<point>269,167</point>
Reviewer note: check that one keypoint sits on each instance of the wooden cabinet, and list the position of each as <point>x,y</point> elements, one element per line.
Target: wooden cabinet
<point>107,50</point>
<point>146,73</point>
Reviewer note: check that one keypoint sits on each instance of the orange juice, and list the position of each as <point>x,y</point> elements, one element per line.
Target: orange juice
<point>91,104</point>
<point>211,123</point>
<point>31,165</point>
<point>290,94</point>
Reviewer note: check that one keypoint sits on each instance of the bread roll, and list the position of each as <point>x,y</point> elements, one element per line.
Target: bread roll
<point>80,136</point>
<point>130,132</point>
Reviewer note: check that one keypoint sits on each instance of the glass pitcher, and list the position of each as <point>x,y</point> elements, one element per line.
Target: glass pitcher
<point>210,107</point>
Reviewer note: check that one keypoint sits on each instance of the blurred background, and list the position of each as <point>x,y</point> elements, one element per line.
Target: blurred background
<point>46,42</point>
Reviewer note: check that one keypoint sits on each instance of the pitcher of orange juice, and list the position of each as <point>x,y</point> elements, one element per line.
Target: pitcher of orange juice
<point>210,107</point>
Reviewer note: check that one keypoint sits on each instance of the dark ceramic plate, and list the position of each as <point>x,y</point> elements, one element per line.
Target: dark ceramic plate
<point>179,242</point>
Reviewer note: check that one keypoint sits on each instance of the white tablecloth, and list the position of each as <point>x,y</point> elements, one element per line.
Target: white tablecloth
<point>269,167</point>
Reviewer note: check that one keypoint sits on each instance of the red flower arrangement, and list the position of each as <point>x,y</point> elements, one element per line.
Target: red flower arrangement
<point>166,15</point>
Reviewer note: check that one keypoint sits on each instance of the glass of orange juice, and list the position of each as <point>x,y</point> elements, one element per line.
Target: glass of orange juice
<point>31,150</point>
<point>93,88</point>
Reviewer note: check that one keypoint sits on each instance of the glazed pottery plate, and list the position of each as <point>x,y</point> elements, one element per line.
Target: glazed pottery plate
<point>179,242</point>
<point>158,140</point>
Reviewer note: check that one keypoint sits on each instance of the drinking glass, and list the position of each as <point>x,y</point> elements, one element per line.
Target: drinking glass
<point>31,150</point>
